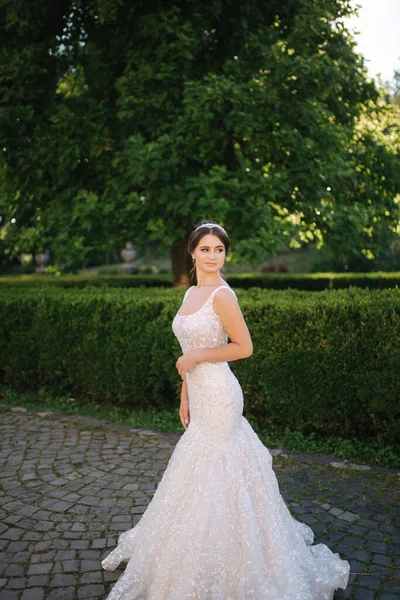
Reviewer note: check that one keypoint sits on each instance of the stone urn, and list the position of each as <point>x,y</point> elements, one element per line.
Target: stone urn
<point>129,254</point>
<point>41,259</point>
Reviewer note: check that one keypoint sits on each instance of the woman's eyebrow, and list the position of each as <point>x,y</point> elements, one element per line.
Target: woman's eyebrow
<point>219,246</point>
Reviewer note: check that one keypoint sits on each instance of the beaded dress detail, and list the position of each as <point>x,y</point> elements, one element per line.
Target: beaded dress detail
<point>217,527</point>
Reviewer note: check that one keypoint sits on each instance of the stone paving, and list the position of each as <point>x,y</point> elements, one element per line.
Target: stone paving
<point>70,485</point>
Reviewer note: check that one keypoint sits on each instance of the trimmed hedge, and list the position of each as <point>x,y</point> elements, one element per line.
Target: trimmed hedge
<point>313,282</point>
<point>83,281</point>
<point>327,362</point>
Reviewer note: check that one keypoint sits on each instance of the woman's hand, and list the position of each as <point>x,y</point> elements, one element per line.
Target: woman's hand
<point>186,362</point>
<point>184,413</point>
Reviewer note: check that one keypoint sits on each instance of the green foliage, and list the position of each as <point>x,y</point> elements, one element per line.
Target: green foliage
<point>278,281</point>
<point>370,214</point>
<point>373,452</point>
<point>132,121</point>
<point>82,281</point>
<point>392,89</point>
<point>326,362</point>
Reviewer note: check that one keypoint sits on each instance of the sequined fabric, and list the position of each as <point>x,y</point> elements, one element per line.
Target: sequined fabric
<point>217,527</point>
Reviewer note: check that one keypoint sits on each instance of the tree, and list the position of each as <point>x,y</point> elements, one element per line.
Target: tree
<point>124,120</point>
<point>367,220</point>
<point>393,89</point>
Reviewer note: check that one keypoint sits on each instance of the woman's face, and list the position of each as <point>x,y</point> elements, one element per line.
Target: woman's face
<point>209,253</point>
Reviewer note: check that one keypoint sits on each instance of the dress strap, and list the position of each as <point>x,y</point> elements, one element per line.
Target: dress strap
<point>222,286</point>
<point>187,293</point>
<point>211,296</point>
<point>212,293</point>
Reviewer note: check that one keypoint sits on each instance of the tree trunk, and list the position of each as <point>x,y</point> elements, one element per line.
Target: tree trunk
<point>181,263</point>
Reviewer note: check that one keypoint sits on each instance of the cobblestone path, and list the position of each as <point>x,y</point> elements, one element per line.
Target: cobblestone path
<point>68,486</point>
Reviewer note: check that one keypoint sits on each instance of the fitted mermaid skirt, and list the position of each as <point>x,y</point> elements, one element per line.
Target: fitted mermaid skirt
<point>217,527</point>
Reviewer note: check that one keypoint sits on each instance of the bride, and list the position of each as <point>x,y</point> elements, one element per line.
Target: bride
<point>217,527</point>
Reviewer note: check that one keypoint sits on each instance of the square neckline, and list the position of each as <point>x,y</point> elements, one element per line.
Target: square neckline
<point>201,308</point>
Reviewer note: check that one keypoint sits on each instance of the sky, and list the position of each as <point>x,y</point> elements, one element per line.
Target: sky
<point>379,38</point>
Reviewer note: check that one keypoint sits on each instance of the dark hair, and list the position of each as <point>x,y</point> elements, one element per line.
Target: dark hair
<point>203,229</point>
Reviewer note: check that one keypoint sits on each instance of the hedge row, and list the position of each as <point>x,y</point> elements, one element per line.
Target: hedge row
<point>277,281</point>
<point>327,362</point>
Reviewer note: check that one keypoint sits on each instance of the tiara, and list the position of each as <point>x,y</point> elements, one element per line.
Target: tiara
<point>211,225</point>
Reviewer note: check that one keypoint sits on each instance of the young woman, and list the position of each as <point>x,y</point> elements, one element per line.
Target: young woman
<point>217,527</point>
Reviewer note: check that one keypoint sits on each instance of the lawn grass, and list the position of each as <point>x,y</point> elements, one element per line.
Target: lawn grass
<point>373,452</point>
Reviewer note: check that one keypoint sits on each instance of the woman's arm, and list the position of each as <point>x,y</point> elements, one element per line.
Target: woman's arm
<point>227,352</point>
<point>184,412</point>
<point>184,391</point>
<point>227,308</point>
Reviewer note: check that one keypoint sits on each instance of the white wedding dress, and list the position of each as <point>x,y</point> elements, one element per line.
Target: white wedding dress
<point>217,527</point>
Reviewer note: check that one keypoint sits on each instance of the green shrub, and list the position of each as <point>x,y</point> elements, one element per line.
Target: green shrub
<point>110,277</point>
<point>326,362</point>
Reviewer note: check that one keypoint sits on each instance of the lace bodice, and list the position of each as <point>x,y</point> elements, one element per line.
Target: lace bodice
<point>202,329</point>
